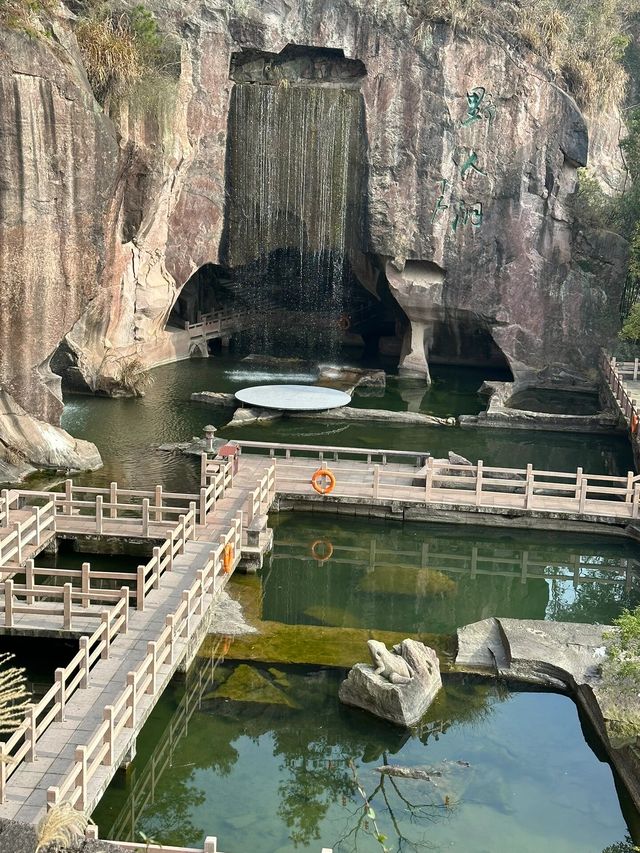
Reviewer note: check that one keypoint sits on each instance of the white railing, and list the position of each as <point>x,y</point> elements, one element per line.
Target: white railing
<point>613,373</point>
<point>360,476</point>
<point>217,323</point>
<point>30,531</point>
<point>19,599</point>
<point>22,745</point>
<point>331,453</point>
<point>101,748</point>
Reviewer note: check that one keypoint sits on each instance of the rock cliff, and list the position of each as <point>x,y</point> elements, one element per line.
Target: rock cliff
<point>471,147</point>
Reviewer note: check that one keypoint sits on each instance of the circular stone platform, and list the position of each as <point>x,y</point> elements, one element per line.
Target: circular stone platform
<point>293,398</point>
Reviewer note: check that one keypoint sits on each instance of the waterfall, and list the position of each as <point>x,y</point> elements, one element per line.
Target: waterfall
<point>294,209</point>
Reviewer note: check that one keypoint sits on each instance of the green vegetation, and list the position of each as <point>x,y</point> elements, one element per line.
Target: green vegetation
<point>623,652</point>
<point>24,15</point>
<point>583,40</point>
<point>126,56</point>
<point>133,377</point>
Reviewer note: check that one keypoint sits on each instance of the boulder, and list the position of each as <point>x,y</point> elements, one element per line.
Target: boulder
<point>400,686</point>
<point>215,398</point>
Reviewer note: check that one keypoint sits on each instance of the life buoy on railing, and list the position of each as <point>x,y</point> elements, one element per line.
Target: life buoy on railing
<point>323,481</point>
<point>344,323</point>
<point>227,557</point>
<point>322,550</point>
<point>634,423</point>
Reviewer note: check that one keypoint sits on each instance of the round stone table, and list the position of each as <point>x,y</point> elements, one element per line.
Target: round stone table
<point>293,398</point>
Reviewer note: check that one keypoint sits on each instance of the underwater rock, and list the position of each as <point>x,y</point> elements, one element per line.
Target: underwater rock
<point>408,772</point>
<point>400,686</point>
<point>347,413</point>
<point>247,684</point>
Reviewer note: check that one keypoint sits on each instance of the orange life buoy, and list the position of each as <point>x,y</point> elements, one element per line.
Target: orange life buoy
<point>634,423</point>
<point>344,323</point>
<point>323,481</point>
<point>227,557</point>
<point>321,556</point>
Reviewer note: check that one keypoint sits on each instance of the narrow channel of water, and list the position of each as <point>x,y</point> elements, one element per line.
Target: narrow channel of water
<point>269,760</point>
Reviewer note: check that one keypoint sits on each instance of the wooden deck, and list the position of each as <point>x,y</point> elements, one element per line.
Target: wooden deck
<point>136,632</point>
<point>73,741</point>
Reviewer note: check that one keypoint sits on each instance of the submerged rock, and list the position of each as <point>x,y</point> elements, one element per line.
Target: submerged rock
<point>242,417</point>
<point>215,398</point>
<point>402,685</point>
<point>349,378</point>
<point>247,684</point>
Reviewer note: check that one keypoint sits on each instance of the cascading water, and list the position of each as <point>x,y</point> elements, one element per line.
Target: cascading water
<point>294,209</point>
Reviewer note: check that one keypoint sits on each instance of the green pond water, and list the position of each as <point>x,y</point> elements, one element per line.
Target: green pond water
<point>128,431</point>
<point>434,578</point>
<point>265,760</point>
<point>269,761</point>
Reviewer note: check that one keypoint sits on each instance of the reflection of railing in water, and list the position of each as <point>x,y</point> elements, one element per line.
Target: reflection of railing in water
<point>524,564</point>
<point>143,780</point>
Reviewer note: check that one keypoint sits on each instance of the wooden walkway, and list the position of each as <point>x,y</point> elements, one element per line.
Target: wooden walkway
<point>73,741</point>
<point>151,619</point>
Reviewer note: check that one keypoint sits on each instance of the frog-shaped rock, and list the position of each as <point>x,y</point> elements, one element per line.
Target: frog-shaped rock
<point>399,687</point>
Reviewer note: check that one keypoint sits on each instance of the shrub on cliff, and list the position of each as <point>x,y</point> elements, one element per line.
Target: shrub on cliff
<point>24,15</point>
<point>125,54</point>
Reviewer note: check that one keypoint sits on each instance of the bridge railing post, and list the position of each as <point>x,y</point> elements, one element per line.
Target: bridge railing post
<point>113,500</point>
<point>158,503</point>
<point>5,500</point>
<point>84,666</point>
<point>105,619</point>
<point>171,537</point>
<point>584,485</point>
<point>86,584</point>
<point>108,717</point>
<point>29,579</point>
<point>152,649</point>
<point>124,594</point>
<point>18,532</point>
<point>203,506</point>
<point>132,701</point>
<point>479,482</point>
<point>33,733</point>
<point>145,516</point>
<point>99,512</point>
<point>68,497</point>
<point>376,482</point>
<point>67,591</point>
<point>192,512</point>
<point>36,511</point>
<point>171,624</point>
<point>140,573</point>
<point>81,760</point>
<point>8,604</point>
<point>156,568</point>
<point>62,699</point>
<point>528,489</point>
<point>428,480</point>
<point>636,501</point>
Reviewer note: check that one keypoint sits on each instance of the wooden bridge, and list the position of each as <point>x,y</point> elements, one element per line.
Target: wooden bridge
<point>136,628</point>
<point>217,324</point>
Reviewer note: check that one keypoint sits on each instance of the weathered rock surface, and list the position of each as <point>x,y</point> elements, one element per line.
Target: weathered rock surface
<point>27,443</point>
<point>215,398</point>
<point>101,226</point>
<point>348,413</point>
<point>500,414</point>
<point>349,378</point>
<point>416,669</point>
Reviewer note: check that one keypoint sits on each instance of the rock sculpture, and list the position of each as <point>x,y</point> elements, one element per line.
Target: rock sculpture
<point>399,687</point>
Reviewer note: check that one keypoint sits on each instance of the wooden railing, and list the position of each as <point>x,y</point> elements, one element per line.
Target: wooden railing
<point>31,530</point>
<point>441,482</point>
<point>613,373</point>
<point>210,845</point>
<point>330,453</point>
<point>14,592</point>
<point>100,749</point>
<point>22,745</point>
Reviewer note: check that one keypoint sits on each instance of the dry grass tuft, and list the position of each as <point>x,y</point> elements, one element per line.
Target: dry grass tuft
<point>134,377</point>
<point>62,825</point>
<point>14,697</point>
<point>111,56</point>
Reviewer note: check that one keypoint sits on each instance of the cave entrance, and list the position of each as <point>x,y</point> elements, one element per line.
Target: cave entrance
<point>209,289</point>
<point>462,338</point>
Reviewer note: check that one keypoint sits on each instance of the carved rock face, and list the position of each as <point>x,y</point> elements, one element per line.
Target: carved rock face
<point>471,157</point>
